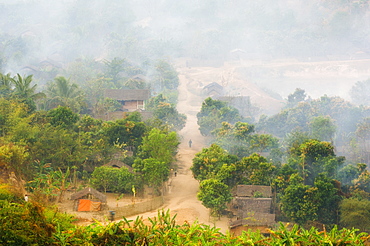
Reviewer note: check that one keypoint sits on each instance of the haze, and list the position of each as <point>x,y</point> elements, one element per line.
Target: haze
<point>319,46</point>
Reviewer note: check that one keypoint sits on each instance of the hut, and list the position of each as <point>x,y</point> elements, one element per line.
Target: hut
<point>131,100</point>
<point>213,90</point>
<point>88,200</point>
<point>119,164</point>
<point>253,204</point>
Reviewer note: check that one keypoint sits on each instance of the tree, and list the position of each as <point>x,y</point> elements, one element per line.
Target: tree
<point>164,77</point>
<point>24,224</point>
<point>328,199</point>
<point>169,115</point>
<point>360,91</point>
<point>315,157</point>
<point>153,172</point>
<point>63,117</point>
<point>25,92</point>
<point>6,83</point>
<point>159,145</point>
<point>14,158</point>
<point>355,213</point>
<point>214,195</point>
<point>64,93</point>
<point>256,170</point>
<point>127,131</point>
<point>209,161</point>
<point>298,202</point>
<point>322,128</point>
<point>363,136</point>
<point>119,180</point>
<point>299,95</point>
<point>213,113</point>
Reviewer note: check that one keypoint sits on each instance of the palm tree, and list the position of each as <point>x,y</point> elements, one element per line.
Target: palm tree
<point>24,92</point>
<point>63,93</point>
<point>5,85</point>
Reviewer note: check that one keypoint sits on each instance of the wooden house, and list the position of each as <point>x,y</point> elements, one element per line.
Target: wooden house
<point>213,90</point>
<point>253,205</point>
<point>131,100</point>
<point>88,200</point>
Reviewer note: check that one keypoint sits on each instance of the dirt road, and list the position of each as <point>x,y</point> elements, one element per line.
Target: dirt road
<point>182,197</point>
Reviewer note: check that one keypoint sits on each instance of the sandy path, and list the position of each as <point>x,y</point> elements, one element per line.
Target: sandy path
<point>182,196</point>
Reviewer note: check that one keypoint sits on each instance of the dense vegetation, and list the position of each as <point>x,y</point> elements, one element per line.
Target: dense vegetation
<point>29,223</point>
<point>314,153</point>
<point>297,158</point>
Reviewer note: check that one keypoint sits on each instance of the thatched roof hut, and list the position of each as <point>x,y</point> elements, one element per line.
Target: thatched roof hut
<point>89,191</point>
<point>119,164</point>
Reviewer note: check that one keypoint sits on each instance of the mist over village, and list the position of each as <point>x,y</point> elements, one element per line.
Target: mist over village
<point>210,122</point>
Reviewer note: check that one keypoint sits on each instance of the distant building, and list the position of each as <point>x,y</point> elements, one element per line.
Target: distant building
<point>242,104</point>
<point>131,100</point>
<point>213,90</point>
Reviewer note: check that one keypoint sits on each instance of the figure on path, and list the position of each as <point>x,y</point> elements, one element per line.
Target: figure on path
<point>190,142</point>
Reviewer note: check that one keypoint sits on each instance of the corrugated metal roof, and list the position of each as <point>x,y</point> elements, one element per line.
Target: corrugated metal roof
<point>127,95</point>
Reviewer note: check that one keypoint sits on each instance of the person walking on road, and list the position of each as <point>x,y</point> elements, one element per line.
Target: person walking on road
<point>190,142</point>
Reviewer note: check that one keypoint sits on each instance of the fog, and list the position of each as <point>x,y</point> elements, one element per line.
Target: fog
<point>278,45</point>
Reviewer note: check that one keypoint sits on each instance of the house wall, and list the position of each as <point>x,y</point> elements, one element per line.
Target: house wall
<point>138,208</point>
<point>257,205</point>
<point>133,105</point>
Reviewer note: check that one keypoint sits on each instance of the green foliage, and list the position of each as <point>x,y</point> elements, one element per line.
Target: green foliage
<point>360,91</point>
<point>62,116</point>
<point>26,93</point>
<point>315,157</point>
<point>14,158</point>
<point>160,145</point>
<point>165,76</point>
<point>49,185</point>
<point>169,115</point>
<point>58,146</point>
<point>213,113</point>
<point>62,92</point>
<point>299,95</point>
<point>343,114</point>
<point>152,172</point>
<point>129,131</point>
<point>208,162</point>
<point>5,85</point>
<point>166,111</point>
<point>298,203</point>
<point>322,128</point>
<point>214,195</point>
<point>24,224</point>
<point>302,203</point>
<point>112,179</point>
<point>355,213</point>
<point>256,170</point>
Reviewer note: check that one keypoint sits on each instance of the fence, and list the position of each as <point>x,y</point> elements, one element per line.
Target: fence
<point>138,208</point>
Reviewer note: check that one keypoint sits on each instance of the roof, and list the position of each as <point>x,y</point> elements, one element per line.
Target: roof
<point>213,84</point>
<point>249,190</point>
<point>117,163</point>
<point>87,191</point>
<point>127,95</point>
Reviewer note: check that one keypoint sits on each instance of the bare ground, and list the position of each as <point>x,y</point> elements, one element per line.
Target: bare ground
<point>182,196</point>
